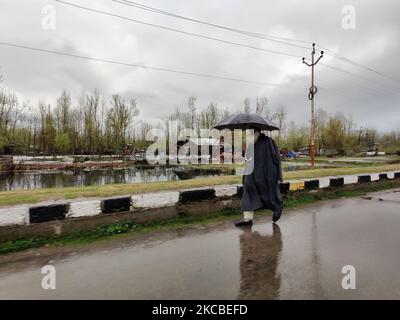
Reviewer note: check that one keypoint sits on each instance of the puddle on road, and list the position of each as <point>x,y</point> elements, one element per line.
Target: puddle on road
<point>302,258</point>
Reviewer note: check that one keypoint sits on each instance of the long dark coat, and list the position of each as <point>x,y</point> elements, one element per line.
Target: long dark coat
<point>261,188</point>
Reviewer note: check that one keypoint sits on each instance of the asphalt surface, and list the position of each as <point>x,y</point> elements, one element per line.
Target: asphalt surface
<point>299,258</point>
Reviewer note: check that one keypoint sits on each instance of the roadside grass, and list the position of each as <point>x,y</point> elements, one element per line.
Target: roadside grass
<point>34,196</point>
<point>128,227</point>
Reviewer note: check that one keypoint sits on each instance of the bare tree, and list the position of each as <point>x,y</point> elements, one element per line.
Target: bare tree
<point>1,78</point>
<point>119,118</point>
<point>192,110</point>
<point>279,116</point>
<point>321,118</point>
<point>246,108</point>
<point>98,127</point>
<point>261,105</point>
<point>63,108</point>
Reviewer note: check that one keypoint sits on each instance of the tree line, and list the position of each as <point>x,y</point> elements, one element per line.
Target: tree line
<point>96,125</point>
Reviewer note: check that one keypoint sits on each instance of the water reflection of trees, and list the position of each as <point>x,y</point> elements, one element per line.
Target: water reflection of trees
<point>83,177</point>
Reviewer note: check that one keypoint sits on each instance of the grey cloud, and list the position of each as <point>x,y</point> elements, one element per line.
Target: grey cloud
<point>374,43</point>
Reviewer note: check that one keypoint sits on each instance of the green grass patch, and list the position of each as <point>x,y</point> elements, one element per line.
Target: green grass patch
<point>129,227</point>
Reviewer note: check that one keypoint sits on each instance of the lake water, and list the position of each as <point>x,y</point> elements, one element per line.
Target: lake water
<point>81,177</point>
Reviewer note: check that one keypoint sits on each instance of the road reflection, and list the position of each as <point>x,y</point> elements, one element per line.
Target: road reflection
<point>259,256</point>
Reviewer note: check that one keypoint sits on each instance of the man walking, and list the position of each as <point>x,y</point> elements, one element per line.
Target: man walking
<point>261,186</point>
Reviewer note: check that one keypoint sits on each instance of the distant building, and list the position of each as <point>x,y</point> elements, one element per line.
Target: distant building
<point>200,144</point>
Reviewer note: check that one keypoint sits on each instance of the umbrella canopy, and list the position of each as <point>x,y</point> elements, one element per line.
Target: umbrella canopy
<point>246,121</point>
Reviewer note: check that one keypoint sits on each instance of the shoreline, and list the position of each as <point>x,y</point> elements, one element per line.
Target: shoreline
<point>127,227</point>
<point>20,197</point>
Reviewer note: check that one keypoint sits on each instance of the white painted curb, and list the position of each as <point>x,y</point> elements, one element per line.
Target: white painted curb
<point>155,200</point>
<point>84,209</point>
<point>19,215</point>
<point>14,215</point>
<point>225,191</point>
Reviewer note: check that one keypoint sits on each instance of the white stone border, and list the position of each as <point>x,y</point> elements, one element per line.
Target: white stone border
<point>374,176</point>
<point>19,215</point>
<point>324,182</point>
<point>352,179</point>
<point>225,191</point>
<point>390,175</point>
<point>155,200</point>
<point>84,209</point>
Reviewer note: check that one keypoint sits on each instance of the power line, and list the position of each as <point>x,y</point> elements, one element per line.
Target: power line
<point>179,31</point>
<point>256,35</point>
<point>203,75</point>
<point>209,37</point>
<point>338,94</point>
<point>358,76</point>
<point>356,85</point>
<point>248,33</point>
<point>362,66</point>
<point>345,59</point>
<point>157,68</point>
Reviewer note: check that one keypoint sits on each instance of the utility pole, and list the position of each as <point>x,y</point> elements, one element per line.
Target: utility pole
<point>311,94</point>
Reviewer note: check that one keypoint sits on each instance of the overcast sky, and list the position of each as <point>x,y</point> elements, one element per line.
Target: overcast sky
<point>373,100</point>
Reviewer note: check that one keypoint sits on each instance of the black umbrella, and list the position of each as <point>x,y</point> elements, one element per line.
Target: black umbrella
<point>246,121</point>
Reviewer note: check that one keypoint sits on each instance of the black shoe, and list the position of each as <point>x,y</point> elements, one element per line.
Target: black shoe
<point>242,223</point>
<point>277,214</point>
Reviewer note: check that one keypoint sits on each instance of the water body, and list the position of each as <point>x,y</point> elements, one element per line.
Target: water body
<point>82,177</point>
<point>300,258</point>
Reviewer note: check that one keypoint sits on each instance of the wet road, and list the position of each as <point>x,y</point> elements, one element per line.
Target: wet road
<point>302,258</point>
